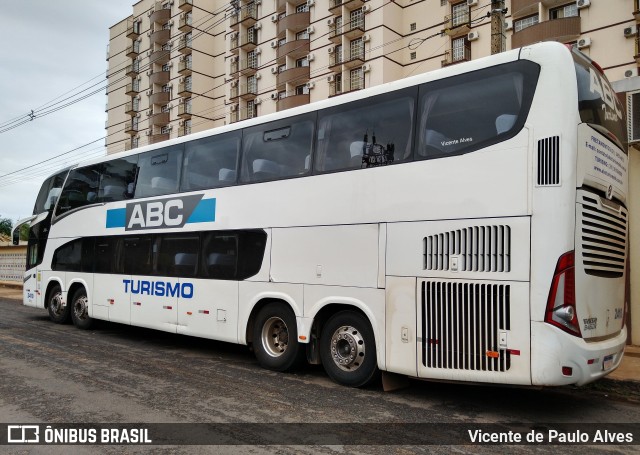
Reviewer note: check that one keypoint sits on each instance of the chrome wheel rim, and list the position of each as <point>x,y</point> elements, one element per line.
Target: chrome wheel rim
<point>56,304</point>
<point>347,348</point>
<point>275,336</point>
<point>80,307</point>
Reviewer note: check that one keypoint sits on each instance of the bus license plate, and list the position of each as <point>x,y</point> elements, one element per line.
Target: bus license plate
<point>607,363</point>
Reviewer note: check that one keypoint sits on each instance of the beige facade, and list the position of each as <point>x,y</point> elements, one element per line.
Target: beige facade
<point>182,66</point>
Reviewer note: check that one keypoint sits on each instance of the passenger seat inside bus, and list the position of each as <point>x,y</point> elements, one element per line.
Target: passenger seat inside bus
<point>184,264</point>
<point>505,122</point>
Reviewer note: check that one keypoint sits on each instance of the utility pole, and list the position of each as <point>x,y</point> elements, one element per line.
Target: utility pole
<point>498,39</point>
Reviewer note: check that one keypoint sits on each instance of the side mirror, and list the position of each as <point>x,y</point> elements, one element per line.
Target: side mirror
<point>16,236</point>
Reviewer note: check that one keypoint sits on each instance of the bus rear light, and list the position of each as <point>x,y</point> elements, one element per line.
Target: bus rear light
<point>561,305</point>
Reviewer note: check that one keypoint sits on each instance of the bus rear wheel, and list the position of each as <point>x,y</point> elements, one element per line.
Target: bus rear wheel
<point>56,306</point>
<point>275,338</point>
<point>348,349</point>
<point>80,310</point>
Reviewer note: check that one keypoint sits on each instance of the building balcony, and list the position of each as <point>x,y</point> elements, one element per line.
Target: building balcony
<point>159,77</point>
<point>245,42</point>
<point>160,14</point>
<point>335,61</point>
<point>161,56</point>
<point>131,127</point>
<point>244,67</point>
<point>295,22</point>
<point>185,24</point>
<point>155,138</point>
<point>297,75</point>
<point>355,59</point>
<point>132,89</point>
<point>184,45</point>
<point>292,101</point>
<point>453,56</point>
<point>522,8</point>
<point>159,98</point>
<point>562,30</point>
<point>457,25</point>
<point>244,91</point>
<point>185,5</point>
<point>131,108</point>
<point>132,70</point>
<point>133,28</point>
<point>184,110</point>
<point>350,84</point>
<point>160,36</point>
<point>184,67</point>
<point>294,49</point>
<point>133,50</point>
<point>336,5</point>
<point>184,89</point>
<point>160,119</point>
<point>247,16</point>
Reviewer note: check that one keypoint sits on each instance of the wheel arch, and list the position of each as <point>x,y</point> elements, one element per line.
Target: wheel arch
<point>50,285</point>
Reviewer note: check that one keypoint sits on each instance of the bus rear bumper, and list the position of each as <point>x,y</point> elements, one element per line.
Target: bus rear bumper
<point>558,358</point>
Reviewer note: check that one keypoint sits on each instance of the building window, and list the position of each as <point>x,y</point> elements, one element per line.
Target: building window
<point>282,68</point>
<point>187,83</point>
<point>166,88</point>
<point>302,35</point>
<point>134,123</point>
<point>282,94</point>
<point>459,14</point>
<point>356,80</point>
<point>282,15</point>
<point>187,106</point>
<point>356,49</point>
<point>251,109</point>
<point>135,105</point>
<point>338,53</point>
<point>166,67</point>
<point>252,59</point>
<point>413,56</point>
<point>302,62</point>
<point>165,129</point>
<point>338,25</point>
<point>187,127</point>
<point>338,83</point>
<point>252,84</point>
<point>443,2</point>
<point>165,108</point>
<point>166,47</point>
<point>302,89</point>
<point>412,26</point>
<point>134,142</point>
<point>166,26</point>
<point>570,10</point>
<point>521,24</point>
<point>135,85</point>
<point>459,49</point>
<point>252,36</point>
<point>302,8</point>
<point>357,19</point>
<point>282,41</point>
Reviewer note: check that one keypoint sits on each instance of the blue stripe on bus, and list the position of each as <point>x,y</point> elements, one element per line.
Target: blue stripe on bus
<point>116,218</point>
<point>204,211</point>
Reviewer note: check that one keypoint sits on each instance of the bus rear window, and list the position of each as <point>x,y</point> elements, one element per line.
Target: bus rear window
<point>597,101</point>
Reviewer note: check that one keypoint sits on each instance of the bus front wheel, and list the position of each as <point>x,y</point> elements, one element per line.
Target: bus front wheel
<point>80,310</point>
<point>56,306</point>
<point>348,349</point>
<point>275,338</point>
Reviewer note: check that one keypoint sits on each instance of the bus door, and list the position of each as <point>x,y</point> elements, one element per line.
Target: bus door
<point>153,298</point>
<point>208,306</point>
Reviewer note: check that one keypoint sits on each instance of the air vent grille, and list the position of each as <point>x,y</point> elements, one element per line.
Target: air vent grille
<point>479,249</point>
<point>461,324</point>
<point>549,161</point>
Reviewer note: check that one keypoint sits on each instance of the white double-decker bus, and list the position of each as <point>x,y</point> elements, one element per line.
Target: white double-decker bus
<point>467,224</point>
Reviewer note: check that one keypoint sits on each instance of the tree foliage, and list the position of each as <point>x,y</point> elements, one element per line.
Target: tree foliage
<point>5,226</point>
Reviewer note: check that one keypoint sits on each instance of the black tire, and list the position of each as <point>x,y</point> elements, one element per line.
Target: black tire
<point>348,349</point>
<point>56,306</point>
<point>275,338</point>
<point>80,310</point>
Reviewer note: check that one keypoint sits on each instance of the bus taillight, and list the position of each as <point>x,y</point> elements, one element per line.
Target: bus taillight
<point>561,305</point>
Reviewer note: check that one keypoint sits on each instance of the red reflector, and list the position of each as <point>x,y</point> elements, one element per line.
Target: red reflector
<point>204,311</point>
<point>513,351</point>
<point>591,361</point>
<point>189,313</point>
<point>167,307</point>
<point>567,371</point>
<point>137,303</point>
<point>433,341</point>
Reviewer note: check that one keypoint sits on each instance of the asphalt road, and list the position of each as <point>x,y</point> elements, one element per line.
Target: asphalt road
<point>56,374</point>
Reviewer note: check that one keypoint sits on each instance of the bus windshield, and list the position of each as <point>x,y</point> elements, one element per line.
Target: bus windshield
<point>597,101</point>
<point>49,192</point>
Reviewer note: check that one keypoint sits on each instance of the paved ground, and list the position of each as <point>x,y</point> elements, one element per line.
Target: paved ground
<point>116,374</point>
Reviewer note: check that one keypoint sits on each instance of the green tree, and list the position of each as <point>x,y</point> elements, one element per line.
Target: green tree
<point>5,226</point>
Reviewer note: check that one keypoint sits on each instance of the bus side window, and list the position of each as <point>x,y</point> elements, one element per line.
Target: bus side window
<point>159,172</point>
<point>210,162</point>
<point>178,255</point>
<point>474,110</point>
<point>220,255</point>
<point>369,133</point>
<point>117,179</point>
<point>138,259</point>
<point>278,149</point>
<point>80,189</point>
<point>68,258</point>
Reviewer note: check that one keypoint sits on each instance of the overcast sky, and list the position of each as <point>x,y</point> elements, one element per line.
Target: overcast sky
<point>50,47</point>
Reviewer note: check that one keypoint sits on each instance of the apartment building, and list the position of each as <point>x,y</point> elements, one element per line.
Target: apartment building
<point>181,66</point>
